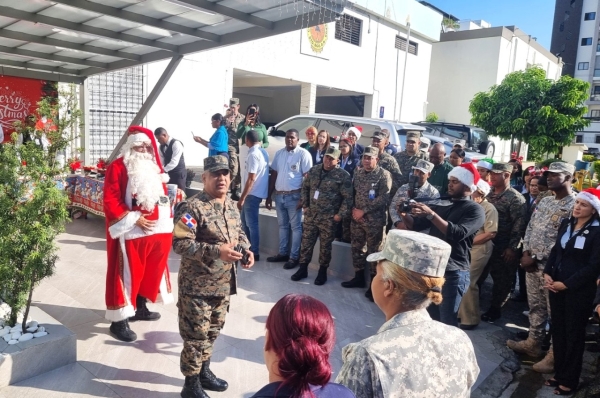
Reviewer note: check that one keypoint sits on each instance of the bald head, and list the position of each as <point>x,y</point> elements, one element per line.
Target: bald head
<point>437,154</point>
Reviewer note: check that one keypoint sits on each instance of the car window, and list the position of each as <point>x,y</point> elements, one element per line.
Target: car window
<point>298,123</point>
<point>402,137</point>
<point>333,127</point>
<point>479,136</point>
<point>453,133</point>
<point>433,130</point>
<point>367,132</point>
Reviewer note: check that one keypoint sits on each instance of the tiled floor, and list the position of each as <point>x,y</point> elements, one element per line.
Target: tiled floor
<point>149,367</point>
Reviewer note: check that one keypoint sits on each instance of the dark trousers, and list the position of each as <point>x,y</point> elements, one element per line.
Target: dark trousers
<point>570,313</point>
<point>456,285</point>
<point>503,274</point>
<point>178,178</point>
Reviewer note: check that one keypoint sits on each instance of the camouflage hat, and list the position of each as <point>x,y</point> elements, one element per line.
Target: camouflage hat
<point>333,152</point>
<point>415,251</point>
<point>501,168</point>
<point>380,135</point>
<point>216,163</point>
<point>371,151</point>
<point>415,135</point>
<point>459,142</point>
<point>560,168</point>
<point>424,166</point>
<point>234,101</point>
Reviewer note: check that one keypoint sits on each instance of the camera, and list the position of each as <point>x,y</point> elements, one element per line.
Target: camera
<point>246,257</point>
<point>405,207</point>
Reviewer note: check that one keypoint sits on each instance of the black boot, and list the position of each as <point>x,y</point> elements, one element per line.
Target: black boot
<point>491,315</point>
<point>192,388</point>
<point>322,276</point>
<point>301,273</point>
<point>142,313</point>
<point>208,379</point>
<point>120,331</point>
<point>357,281</point>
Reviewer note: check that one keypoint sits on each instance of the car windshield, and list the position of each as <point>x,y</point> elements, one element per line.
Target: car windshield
<point>300,124</point>
<point>478,137</point>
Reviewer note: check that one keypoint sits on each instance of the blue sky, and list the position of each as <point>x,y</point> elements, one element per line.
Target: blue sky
<point>532,16</point>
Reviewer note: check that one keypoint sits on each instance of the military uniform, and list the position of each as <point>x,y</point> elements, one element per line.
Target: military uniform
<point>512,211</point>
<point>233,145</point>
<point>202,225</point>
<point>387,162</point>
<point>406,162</point>
<point>370,230</point>
<point>324,194</point>
<point>425,191</point>
<point>412,355</point>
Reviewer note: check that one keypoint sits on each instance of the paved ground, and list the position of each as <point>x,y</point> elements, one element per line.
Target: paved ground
<point>150,366</point>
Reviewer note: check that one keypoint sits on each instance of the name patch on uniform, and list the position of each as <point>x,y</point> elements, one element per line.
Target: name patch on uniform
<point>189,221</point>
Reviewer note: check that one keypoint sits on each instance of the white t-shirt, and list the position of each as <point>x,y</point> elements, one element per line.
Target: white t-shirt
<point>257,162</point>
<point>291,167</point>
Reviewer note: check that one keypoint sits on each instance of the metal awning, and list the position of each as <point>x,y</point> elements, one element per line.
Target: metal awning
<point>68,40</point>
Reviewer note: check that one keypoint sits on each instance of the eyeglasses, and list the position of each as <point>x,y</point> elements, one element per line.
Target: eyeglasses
<point>143,148</point>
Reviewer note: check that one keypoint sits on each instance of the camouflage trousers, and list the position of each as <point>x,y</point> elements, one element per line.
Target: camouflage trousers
<point>200,322</point>
<point>318,227</point>
<point>503,274</point>
<point>370,234</point>
<point>234,167</point>
<point>539,305</point>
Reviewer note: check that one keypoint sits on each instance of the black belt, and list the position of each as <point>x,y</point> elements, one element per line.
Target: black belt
<point>287,192</point>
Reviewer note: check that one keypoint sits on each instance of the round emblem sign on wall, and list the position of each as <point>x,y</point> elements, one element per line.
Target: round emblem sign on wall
<point>317,36</point>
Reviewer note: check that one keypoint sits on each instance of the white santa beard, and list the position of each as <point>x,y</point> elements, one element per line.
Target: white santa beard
<point>144,179</point>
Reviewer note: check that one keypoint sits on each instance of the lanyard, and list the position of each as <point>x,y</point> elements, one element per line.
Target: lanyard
<point>579,231</point>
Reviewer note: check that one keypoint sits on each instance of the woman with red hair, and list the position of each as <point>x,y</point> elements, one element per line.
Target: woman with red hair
<point>299,338</point>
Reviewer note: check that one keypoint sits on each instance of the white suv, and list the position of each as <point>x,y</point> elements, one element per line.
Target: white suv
<point>335,125</point>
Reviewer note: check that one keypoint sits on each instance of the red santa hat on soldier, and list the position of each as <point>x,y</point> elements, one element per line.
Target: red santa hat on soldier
<point>467,174</point>
<point>140,136</point>
<point>591,195</point>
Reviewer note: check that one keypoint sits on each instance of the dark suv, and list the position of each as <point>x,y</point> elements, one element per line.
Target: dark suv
<point>476,138</point>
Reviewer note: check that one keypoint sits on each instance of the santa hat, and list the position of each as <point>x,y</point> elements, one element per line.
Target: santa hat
<point>591,195</point>
<point>483,163</point>
<point>137,135</point>
<point>484,187</point>
<point>467,174</point>
<point>356,131</point>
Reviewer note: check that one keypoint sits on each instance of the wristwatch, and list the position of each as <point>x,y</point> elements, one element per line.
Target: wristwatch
<point>430,216</point>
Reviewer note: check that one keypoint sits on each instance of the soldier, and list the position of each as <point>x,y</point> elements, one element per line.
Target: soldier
<point>441,168</point>
<point>372,186</point>
<point>390,149</point>
<point>386,161</point>
<point>233,119</point>
<point>540,236</point>
<point>504,261</point>
<point>327,198</point>
<point>206,233</point>
<point>409,156</point>
<point>424,190</point>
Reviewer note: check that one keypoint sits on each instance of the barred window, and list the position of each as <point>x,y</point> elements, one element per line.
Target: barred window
<point>348,29</point>
<point>413,48</point>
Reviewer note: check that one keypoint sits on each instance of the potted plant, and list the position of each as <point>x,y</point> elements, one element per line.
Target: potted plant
<point>189,177</point>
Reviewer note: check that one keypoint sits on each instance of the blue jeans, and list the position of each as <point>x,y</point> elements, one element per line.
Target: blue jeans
<point>288,217</point>
<point>456,285</point>
<point>250,221</point>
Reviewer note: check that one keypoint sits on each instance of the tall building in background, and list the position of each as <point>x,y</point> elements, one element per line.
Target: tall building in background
<point>114,100</point>
<point>576,38</point>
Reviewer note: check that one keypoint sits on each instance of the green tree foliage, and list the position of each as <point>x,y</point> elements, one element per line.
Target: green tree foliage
<point>527,106</point>
<point>33,204</point>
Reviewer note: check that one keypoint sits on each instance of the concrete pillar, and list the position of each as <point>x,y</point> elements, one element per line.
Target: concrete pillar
<point>84,106</point>
<point>308,98</point>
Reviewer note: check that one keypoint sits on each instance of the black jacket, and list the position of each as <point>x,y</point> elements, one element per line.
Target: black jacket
<point>351,164</point>
<point>464,218</point>
<point>578,269</point>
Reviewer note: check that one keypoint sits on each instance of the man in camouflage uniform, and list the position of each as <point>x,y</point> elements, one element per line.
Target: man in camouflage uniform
<point>424,190</point>
<point>540,236</point>
<point>372,186</point>
<point>207,230</point>
<point>386,161</point>
<point>326,198</point>
<point>410,155</point>
<point>504,261</point>
<point>233,118</point>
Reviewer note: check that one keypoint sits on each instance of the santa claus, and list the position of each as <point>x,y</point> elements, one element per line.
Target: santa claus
<point>139,223</point>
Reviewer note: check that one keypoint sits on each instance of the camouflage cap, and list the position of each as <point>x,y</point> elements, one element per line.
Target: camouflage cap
<point>415,135</point>
<point>371,151</point>
<point>424,166</point>
<point>560,168</point>
<point>459,142</point>
<point>501,168</point>
<point>333,152</point>
<point>216,163</point>
<point>234,101</point>
<point>380,135</point>
<point>415,251</point>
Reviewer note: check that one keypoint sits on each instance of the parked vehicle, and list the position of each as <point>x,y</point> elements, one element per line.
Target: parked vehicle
<point>336,125</point>
<point>470,156</point>
<point>477,139</point>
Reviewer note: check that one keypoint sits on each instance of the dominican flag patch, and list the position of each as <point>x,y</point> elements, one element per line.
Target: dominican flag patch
<point>189,221</point>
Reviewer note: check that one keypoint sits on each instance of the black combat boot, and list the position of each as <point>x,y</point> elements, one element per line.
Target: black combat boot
<point>357,281</point>
<point>142,313</point>
<point>192,388</point>
<point>121,331</point>
<point>322,276</point>
<point>208,379</point>
<point>301,273</point>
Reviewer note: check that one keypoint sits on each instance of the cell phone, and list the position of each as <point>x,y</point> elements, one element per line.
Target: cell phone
<point>193,134</point>
<point>251,111</point>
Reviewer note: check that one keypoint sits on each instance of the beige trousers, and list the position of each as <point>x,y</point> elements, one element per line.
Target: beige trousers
<point>468,311</point>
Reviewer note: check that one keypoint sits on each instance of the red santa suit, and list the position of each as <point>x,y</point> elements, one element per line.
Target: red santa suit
<point>137,259</point>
